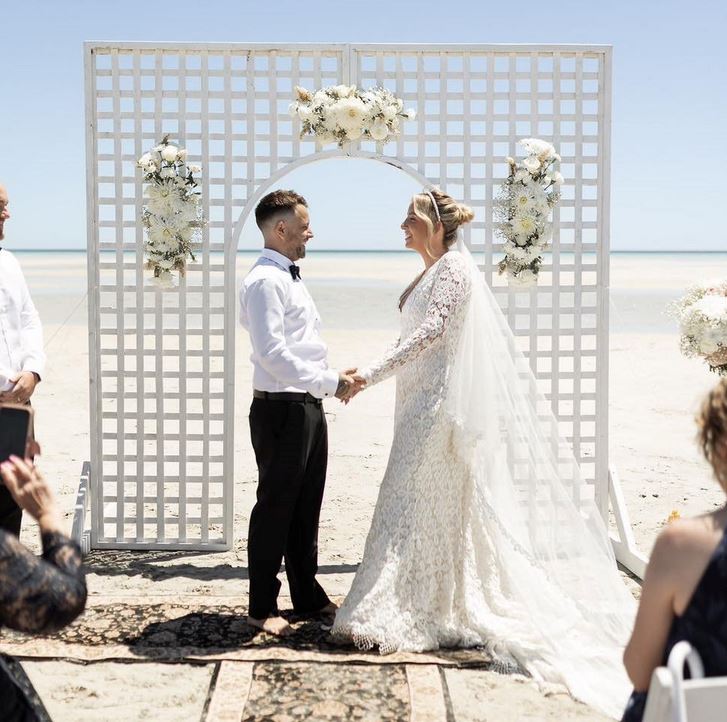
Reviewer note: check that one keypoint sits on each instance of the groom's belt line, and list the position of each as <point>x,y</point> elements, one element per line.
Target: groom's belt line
<point>286,396</point>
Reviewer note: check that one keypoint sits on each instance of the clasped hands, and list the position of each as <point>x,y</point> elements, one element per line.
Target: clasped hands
<point>349,384</point>
<point>24,386</point>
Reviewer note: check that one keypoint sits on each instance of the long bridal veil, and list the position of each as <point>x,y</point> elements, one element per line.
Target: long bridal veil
<point>565,601</point>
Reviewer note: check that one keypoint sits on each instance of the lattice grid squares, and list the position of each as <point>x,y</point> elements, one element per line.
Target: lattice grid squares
<point>228,104</point>
<point>473,106</point>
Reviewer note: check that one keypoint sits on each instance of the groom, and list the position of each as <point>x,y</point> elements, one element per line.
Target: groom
<point>287,424</point>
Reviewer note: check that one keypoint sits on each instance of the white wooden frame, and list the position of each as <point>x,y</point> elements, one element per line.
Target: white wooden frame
<point>228,104</point>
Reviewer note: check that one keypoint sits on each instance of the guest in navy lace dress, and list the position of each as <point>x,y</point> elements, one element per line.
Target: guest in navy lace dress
<point>684,596</point>
<point>37,595</point>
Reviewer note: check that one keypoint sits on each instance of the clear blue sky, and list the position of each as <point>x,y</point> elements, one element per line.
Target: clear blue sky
<point>670,102</point>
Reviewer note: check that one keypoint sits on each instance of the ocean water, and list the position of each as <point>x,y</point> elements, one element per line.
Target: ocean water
<point>359,289</point>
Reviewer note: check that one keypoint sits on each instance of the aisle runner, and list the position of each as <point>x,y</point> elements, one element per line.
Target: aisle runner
<point>209,629</point>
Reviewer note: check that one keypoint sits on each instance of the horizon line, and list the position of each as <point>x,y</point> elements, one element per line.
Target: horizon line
<point>367,250</point>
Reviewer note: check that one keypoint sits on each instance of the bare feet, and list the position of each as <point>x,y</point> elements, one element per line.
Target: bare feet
<point>276,626</point>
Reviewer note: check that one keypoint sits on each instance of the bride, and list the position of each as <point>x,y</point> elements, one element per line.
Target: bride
<point>483,533</point>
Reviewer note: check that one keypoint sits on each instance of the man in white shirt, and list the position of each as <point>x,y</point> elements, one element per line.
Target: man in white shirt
<point>287,424</point>
<point>22,359</point>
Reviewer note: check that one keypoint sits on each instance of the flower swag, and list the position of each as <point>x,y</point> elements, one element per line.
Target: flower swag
<point>171,215</point>
<point>702,317</point>
<point>343,113</point>
<point>523,208</point>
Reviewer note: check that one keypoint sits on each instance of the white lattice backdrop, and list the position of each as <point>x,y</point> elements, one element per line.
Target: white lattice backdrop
<point>162,364</point>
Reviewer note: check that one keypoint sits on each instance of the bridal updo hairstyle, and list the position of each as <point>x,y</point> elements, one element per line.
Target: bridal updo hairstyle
<point>452,215</point>
<point>712,436</point>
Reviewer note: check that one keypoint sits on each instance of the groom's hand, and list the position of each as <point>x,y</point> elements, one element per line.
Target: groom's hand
<point>357,382</point>
<point>345,383</point>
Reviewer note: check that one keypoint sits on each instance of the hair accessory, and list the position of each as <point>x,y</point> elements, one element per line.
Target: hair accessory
<point>434,203</point>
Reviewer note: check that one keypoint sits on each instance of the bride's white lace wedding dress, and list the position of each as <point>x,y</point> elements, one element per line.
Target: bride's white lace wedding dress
<point>482,535</point>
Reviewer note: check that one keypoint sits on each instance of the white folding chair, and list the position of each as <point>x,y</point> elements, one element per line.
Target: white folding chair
<point>673,699</point>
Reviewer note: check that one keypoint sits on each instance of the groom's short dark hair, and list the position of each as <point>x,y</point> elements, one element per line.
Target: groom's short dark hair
<point>277,202</point>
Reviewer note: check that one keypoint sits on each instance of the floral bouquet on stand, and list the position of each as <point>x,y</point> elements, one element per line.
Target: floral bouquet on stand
<point>172,215</point>
<point>343,113</point>
<point>702,316</point>
<point>523,210</point>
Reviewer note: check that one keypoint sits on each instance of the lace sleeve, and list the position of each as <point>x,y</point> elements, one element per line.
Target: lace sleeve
<point>40,595</point>
<point>450,290</point>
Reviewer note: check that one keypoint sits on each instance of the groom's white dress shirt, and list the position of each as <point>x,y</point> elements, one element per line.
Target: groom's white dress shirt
<point>284,326</point>
<point>21,334</point>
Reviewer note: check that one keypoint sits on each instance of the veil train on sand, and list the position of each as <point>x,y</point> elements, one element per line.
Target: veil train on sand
<point>571,611</point>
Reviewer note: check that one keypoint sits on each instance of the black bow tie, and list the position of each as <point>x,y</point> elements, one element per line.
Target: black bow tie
<point>294,271</point>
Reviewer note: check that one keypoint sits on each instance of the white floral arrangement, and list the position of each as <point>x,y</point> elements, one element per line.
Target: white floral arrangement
<point>702,317</point>
<point>343,113</point>
<point>523,210</point>
<point>171,215</point>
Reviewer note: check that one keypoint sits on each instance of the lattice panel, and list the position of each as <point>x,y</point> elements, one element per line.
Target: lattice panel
<point>474,104</point>
<point>162,364</point>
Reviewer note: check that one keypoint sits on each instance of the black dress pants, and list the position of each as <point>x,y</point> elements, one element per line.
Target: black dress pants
<point>290,439</point>
<point>11,515</point>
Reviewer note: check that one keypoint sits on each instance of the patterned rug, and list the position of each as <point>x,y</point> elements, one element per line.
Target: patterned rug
<point>174,631</point>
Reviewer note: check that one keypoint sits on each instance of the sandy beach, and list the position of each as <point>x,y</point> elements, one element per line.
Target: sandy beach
<point>654,393</point>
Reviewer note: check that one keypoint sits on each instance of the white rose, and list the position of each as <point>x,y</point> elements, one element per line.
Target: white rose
<point>525,278</point>
<point>164,280</point>
<point>349,113</point>
<point>354,133</point>
<point>558,179</point>
<point>411,114</point>
<point>194,168</point>
<point>170,153</point>
<point>379,130</point>
<point>182,155</point>
<point>541,148</point>
<point>532,164</point>
<point>343,91</point>
<point>144,160</point>
<point>390,112</point>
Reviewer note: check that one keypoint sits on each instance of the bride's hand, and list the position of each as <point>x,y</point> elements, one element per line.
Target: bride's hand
<point>359,382</point>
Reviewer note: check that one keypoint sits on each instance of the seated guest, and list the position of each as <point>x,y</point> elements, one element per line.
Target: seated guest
<point>684,596</point>
<point>37,595</point>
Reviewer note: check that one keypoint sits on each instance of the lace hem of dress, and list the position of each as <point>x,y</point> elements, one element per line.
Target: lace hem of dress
<point>502,659</point>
